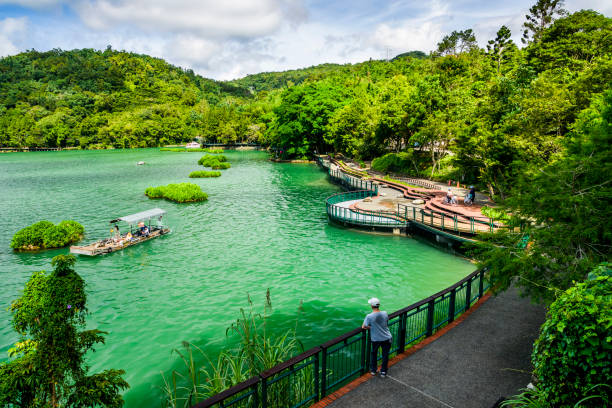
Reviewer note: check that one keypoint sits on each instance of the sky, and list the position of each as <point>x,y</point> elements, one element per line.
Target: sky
<point>227,39</point>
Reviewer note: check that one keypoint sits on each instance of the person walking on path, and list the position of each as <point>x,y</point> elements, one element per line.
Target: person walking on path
<point>380,336</point>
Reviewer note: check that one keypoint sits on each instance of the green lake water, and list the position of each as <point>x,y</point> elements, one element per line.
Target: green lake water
<point>264,226</point>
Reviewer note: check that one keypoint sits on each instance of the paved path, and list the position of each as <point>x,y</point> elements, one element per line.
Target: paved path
<point>485,357</point>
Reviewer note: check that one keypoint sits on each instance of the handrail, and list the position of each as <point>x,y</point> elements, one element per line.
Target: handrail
<point>312,375</point>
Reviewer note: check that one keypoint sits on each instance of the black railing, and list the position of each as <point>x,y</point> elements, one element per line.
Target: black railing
<point>312,375</point>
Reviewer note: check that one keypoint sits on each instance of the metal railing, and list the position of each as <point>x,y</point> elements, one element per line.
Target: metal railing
<point>312,375</point>
<point>343,213</point>
<point>353,183</point>
<point>446,222</point>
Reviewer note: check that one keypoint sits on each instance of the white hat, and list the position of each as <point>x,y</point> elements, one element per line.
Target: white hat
<point>374,302</point>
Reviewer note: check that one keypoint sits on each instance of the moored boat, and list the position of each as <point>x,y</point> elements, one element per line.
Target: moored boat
<point>144,231</point>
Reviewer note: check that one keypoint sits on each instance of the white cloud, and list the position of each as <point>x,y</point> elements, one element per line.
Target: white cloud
<point>407,36</point>
<point>12,31</point>
<point>35,4</point>
<point>208,18</point>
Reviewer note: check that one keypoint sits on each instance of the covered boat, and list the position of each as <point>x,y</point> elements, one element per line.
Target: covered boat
<point>141,230</point>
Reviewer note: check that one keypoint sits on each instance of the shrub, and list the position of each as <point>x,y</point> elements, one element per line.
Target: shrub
<point>494,213</point>
<point>204,173</point>
<point>180,193</point>
<point>45,234</point>
<point>394,163</point>
<point>572,355</point>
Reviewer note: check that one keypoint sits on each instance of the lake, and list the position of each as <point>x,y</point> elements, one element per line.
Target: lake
<point>264,226</point>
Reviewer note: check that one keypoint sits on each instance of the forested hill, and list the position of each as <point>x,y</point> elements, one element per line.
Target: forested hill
<point>105,98</point>
<point>267,81</point>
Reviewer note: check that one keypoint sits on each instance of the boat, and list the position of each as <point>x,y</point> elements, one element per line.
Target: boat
<point>192,145</point>
<point>118,241</point>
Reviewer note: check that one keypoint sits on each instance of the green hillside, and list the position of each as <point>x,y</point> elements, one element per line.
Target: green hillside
<point>106,98</point>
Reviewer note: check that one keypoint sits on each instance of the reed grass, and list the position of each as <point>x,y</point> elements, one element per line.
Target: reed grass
<point>257,350</point>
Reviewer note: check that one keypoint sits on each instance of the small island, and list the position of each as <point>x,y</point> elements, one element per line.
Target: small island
<point>180,193</point>
<point>218,162</point>
<point>204,174</point>
<point>46,235</point>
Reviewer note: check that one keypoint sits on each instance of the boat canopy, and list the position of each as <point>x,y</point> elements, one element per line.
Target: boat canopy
<point>141,216</point>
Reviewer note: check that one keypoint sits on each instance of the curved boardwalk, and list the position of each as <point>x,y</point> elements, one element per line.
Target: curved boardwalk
<point>396,200</point>
<point>459,369</point>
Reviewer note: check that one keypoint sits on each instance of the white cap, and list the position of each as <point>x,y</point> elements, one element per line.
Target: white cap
<point>374,302</point>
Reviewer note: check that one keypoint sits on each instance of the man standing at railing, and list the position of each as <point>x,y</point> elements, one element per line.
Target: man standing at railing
<point>380,336</point>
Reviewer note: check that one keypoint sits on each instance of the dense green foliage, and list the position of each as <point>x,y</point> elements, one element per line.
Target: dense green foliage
<point>180,193</point>
<point>45,234</point>
<point>574,349</point>
<point>47,366</point>
<point>204,173</point>
<point>403,162</point>
<point>563,209</point>
<point>103,99</point>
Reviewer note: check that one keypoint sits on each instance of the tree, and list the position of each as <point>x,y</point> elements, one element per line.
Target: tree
<point>575,42</point>
<point>457,42</point>
<point>500,47</point>
<point>48,366</point>
<point>564,211</point>
<point>541,16</point>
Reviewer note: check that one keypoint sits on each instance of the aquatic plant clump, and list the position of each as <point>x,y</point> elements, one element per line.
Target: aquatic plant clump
<point>180,193</point>
<point>45,235</point>
<point>218,162</point>
<point>207,160</point>
<point>221,166</point>
<point>204,174</point>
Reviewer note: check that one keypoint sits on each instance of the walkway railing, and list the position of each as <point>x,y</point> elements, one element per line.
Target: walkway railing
<point>353,183</point>
<point>312,375</point>
<point>455,223</point>
<point>339,212</point>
